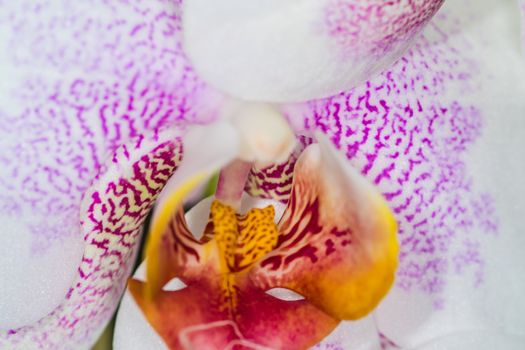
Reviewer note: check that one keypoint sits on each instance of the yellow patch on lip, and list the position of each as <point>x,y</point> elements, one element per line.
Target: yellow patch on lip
<point>238,241</point>
<point>241,241</point>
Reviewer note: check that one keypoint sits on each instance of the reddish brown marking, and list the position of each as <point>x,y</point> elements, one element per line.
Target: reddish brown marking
<point>306,251</point>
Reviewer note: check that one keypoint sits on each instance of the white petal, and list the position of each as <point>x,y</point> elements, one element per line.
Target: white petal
<point>476,340</point>
<point>355,335</point>
<point>79,79</point>
<point>297,50</point>
<point>33,283</point>
<point>479,283</point>
<point>440,133</point>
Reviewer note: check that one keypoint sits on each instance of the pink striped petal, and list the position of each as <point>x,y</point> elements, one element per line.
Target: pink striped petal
<point>112,214</point>
<point>439,133</point>
<point>298,50</point>
<point>79,79</point>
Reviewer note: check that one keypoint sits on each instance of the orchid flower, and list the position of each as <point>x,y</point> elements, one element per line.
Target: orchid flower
<point>97,98</point>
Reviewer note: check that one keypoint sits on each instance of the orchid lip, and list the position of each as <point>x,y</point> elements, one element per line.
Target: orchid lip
<point>244,261</point>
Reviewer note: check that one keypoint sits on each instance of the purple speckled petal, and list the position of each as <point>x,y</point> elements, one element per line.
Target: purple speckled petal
<point>112,212</point>
<point>278,51</point>
<point>79,80</point>
<point>439,133</point>
<point>464,264</point>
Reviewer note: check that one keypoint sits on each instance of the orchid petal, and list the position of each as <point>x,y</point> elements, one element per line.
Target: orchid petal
<point>474,285</point>
<point>79,80</point>
<point>295,51</point>
<point>478,340</point>
<point>438,133</point>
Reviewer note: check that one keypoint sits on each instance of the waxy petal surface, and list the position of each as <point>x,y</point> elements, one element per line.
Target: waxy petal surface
<point>300,324</point>
<point>439,133</point>
<point>79,80</point>
<point>298,50</point>
<point>476,340</point>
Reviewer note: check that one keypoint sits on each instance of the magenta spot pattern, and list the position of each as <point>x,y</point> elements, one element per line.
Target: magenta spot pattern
<point>86,80</point>
<point>329,346</point>
<point>113,213</point>
<point>386,343</point>
<point>409,132</point>
<point>375,27</point>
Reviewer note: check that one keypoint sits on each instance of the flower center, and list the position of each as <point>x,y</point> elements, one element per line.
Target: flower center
<point>241,241</point>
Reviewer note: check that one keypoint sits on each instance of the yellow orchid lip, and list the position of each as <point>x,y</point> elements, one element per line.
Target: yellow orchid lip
<point>335,245</point>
